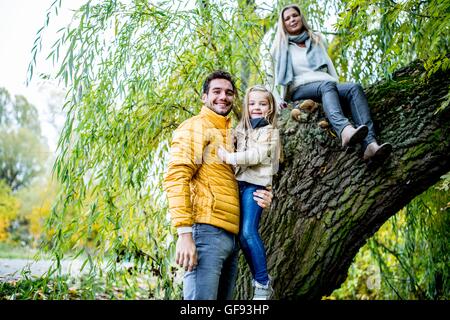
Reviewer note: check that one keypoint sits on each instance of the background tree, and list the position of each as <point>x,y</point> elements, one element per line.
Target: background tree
<point>8,209</point>
<point>36,200</point>
<point>134,72</point>
<point>23,150</point>
<point>23,165</point>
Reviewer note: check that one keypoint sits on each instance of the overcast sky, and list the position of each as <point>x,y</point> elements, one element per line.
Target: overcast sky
<point>19,22</point>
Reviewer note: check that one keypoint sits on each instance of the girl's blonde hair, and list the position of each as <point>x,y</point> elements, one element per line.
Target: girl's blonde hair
<point>281,35</point>
<point>271,116</point>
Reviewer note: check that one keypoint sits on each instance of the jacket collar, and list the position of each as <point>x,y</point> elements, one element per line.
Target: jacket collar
<point>220,122</point>
<point>259,122</point>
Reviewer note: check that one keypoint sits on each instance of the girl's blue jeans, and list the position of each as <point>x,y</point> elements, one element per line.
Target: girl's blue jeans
<point>249,238</point>
<point>338,98</point>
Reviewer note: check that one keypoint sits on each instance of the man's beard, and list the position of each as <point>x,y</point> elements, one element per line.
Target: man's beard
<point>224,113</point>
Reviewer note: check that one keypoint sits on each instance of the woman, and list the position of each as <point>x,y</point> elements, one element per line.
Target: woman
<point>304,70</point>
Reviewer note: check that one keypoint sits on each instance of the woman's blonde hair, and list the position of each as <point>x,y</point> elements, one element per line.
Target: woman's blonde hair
<point>281,35</point>
<point>271,116</point>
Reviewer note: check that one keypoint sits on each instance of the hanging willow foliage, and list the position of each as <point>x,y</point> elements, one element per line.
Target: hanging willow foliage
<point>134,73</point>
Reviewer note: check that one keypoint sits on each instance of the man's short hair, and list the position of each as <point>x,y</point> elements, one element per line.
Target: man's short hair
<point>218,74</point>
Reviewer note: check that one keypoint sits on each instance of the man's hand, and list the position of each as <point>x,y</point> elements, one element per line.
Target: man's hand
<point>186,252</point>
<point>263,197</point>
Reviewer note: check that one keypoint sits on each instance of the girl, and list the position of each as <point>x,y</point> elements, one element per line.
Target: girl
<point>303,70</point>
<point>256,160</point>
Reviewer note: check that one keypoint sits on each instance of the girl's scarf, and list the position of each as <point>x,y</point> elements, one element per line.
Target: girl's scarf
<point>258,122</point>
<point>315,54</point>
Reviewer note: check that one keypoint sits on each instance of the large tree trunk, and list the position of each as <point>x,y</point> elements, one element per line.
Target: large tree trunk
<point>328,202</point>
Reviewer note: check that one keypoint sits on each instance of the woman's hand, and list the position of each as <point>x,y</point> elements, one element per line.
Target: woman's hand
<point>283,105</point>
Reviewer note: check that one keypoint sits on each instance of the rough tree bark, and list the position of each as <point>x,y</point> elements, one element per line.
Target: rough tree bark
<point>329,202</point>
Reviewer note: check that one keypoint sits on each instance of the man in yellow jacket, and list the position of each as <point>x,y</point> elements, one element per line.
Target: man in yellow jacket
<point>204,197</point>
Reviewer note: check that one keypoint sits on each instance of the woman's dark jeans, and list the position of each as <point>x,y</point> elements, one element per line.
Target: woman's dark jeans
<point>333,96</point>
<point>249,238</point>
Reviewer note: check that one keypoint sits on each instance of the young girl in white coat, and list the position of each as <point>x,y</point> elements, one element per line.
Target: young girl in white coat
<point>256,161</point>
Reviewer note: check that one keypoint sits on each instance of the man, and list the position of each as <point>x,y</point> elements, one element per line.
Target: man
<point>204,197</point>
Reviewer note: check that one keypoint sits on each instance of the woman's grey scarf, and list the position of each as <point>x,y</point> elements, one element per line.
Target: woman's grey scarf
<point>315,54</point>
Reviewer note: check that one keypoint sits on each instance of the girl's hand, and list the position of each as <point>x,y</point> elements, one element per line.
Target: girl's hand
<point>222,153</point>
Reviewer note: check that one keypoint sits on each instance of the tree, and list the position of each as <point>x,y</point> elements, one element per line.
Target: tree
<point>18,113</point>
<point>328,203</point>
<point>386,35</point>
<point>134,73</point>
<point>8,209</point>
<point>22,150</point>
<point>113,144</point>
<point>408,257</point>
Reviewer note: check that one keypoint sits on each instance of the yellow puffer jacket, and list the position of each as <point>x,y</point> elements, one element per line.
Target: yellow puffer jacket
<point>200,187</point>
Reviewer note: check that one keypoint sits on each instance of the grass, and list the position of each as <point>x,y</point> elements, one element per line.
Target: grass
<point>119,286</point>
<point>15,251</point>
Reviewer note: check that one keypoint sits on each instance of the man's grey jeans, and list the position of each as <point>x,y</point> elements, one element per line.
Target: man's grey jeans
<point>334,96</point>
<point>216,271</point>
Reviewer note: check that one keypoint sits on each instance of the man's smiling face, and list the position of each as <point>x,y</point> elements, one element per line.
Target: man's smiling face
<point>220,96</point>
